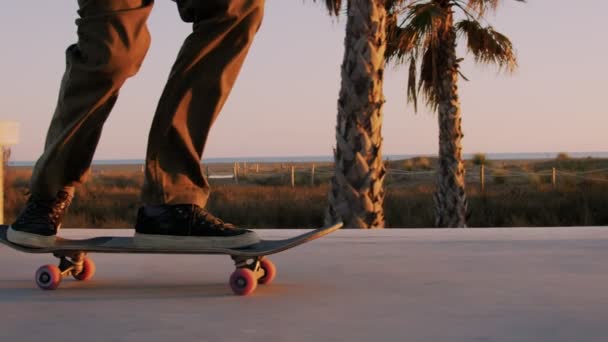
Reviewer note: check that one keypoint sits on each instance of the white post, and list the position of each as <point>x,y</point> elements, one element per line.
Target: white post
<point>312,175</point>
<point>293,176</point>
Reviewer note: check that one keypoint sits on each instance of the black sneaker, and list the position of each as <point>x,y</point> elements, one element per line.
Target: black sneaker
<point>39,222</point>
<point>187,226</point>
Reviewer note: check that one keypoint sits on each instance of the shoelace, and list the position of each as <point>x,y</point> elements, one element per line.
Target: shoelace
<point>43,212</point>
<point>204,217</point>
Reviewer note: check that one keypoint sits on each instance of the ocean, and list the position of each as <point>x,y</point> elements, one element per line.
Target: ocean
<point>327,158</point>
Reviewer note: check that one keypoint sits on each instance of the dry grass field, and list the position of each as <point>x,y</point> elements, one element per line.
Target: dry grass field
<point>517,193</point>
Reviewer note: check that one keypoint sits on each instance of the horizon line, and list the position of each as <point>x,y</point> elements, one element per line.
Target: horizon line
<point>523,155</point>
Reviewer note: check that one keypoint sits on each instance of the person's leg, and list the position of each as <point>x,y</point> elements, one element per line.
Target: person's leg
<point>199,84</point>
<point>175,189</point>
<point>112,42</point>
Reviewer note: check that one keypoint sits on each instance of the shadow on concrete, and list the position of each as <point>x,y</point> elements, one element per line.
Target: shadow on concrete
<point>19,290</point>
<point>12,291</point>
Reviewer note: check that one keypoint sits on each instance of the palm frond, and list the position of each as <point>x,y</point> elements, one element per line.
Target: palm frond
<point>399,41</point>
<point>428,19</point>
<point>394,6</point>
<point>412,92</point>
<point>333,6</point>
<point>487,45</point>
<point>483,6</point>
<point>428,78</point>
<point>419,29</point>
<point>415,41</point>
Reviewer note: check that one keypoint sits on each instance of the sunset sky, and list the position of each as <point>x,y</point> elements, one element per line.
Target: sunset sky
<point>284,103</point>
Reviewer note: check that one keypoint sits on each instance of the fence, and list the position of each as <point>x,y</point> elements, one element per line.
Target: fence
<point>312,174</point>
<point>286,173</point>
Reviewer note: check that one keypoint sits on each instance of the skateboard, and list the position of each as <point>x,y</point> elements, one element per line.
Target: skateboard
<point>252,266</point>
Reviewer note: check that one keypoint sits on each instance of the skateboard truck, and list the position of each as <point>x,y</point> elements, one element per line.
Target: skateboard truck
<point>251,271</point>
<point>77,265</point>
<point>71,264</point>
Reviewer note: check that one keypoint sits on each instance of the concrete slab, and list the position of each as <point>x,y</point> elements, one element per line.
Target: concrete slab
<point>533,284</point>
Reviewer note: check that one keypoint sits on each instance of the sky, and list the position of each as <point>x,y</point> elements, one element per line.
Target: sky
<point>284,102</point>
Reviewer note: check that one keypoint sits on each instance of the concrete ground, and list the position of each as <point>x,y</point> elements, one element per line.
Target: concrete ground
<point>481,285</point>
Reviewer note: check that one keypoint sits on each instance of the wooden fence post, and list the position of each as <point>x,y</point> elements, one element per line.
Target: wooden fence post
<point>554,178</point>
<point>257,168</point>
<point>482,177</point>
<point>293,176</point>
<point>312,175</point>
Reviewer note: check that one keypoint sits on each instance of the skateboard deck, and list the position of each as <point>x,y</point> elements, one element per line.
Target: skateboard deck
<point>115,244</point>
<point>252,266</point>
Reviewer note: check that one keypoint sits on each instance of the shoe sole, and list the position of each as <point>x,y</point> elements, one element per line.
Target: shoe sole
<point>29,239</point>
<point>194,242</point>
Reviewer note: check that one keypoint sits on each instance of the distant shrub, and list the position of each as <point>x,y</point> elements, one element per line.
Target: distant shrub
<point>417,163</point>
<point>388,163</point>
<point>499,177</point>
<point>408,165</point>
<point>423,163</point>
<point>526,167</point>
<point>539,179</point>
<point>479,159</point>
<point>118,180</point>
<point>268,179</point>
<point>562,156</point>
<point>17,181</point>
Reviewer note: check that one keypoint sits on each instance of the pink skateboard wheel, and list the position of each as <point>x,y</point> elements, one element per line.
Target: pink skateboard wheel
<point>243,281</point>
<point>270,271</point>
<point>48,277</point>
<point>88,270</point>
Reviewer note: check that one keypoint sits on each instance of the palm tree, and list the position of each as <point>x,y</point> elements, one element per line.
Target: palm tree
<point>356,194</point>
<point>426,39</point>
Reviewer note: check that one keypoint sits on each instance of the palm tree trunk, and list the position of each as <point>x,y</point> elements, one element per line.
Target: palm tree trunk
<point>356,194</point>
<point>450,198</point>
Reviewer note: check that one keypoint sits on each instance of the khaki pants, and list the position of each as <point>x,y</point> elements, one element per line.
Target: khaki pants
<point>112,42</point>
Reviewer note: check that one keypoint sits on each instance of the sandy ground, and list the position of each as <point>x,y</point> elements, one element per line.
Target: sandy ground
<point>544,284</point>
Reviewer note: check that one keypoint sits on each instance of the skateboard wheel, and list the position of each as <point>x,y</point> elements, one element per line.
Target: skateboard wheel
<point>243,281</point>
<point>48,277</point>
<point>270,271</point>
<point>88,270</point>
